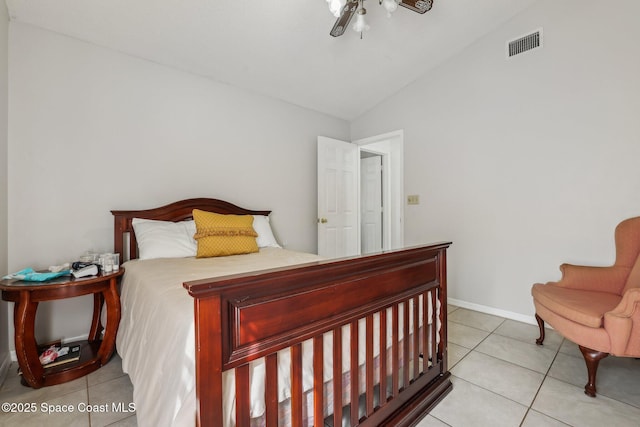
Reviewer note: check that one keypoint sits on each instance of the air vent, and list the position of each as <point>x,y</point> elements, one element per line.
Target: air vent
<point>524,43</point>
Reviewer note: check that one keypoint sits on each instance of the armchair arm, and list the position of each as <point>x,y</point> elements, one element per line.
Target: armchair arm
<point>602,279</point>
<point>619,323</point>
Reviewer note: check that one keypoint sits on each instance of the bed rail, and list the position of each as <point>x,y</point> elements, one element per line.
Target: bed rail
<point>242,318</point>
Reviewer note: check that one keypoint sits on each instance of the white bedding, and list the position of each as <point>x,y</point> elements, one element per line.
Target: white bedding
<point>156,336</point>
<point>155,304</point>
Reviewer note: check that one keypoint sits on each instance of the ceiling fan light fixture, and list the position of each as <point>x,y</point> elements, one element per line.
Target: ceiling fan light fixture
<point>361,23</point>
<point>390,6</point>
<point>346,9</point>
<point>336,6</point>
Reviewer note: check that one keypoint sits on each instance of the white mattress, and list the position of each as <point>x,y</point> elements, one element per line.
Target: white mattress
<point>156,337</point>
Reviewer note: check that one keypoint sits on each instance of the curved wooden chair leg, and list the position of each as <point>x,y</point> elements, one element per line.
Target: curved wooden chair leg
<point>592,358</point>
<point>541,326</point>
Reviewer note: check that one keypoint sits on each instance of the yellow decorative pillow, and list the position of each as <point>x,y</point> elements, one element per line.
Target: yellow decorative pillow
<point>222,235</point>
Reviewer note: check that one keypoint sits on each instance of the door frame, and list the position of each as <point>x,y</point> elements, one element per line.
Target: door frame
<point>391,146</point>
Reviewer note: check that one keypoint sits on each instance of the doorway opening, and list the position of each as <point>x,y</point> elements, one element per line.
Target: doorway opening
<point>342,197</point>
<point>371,202</point>
<point>389,149</point>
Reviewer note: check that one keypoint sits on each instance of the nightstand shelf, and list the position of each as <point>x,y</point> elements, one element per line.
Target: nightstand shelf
<point>86,364</point>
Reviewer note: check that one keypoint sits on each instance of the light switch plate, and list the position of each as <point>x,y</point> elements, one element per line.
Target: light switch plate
<point>413,199</point>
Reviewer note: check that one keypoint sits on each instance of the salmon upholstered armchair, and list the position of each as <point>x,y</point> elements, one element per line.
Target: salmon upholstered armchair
<point>597,308</point>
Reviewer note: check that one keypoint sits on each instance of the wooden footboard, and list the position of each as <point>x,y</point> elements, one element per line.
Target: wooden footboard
<point>245,317</point>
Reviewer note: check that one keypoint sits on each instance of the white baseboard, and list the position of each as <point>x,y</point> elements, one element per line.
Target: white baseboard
<point>495,311</point>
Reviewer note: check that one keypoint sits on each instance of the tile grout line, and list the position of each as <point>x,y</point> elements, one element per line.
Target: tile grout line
<point>528,408</point>
<point>463,357</point>
<point>474,348</point>
<point>555,356</point>
<point>89,396</point>
<point>87,393</point>
<point>506,361</point>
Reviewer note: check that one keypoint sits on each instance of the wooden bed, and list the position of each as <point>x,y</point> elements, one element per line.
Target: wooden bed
<point>244,317</point>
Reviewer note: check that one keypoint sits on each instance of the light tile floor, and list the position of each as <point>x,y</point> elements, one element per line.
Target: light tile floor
<point>99,399</point>
<point>500,378</point>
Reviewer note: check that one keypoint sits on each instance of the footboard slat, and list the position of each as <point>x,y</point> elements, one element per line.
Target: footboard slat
<point>296,385</point>
<point>415,355</point>
<point>426,325</point>
<point>271,390</point>
<point>369,366</point>
<point>354,373</point>
<point>383,357</point>
<point>395,362</point>
<point>434,328</point>
<point>405,344</point>
<point>337,376</point>
<point>318,380</point>
<point>243,397</point>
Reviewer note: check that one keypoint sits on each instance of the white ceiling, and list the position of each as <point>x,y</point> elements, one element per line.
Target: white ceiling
<point>279,48</point>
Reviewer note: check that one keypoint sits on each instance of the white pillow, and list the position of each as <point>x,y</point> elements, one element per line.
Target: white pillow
<point>265,235</point>
<point>164,239</point>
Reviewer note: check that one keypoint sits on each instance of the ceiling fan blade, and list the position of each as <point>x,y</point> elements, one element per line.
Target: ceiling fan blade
<point>420,6</point>
<point>342,23</point>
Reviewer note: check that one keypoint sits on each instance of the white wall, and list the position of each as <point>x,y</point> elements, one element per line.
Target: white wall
<point>524,163</point>
<point>4,73</point>
<point>94,130</point>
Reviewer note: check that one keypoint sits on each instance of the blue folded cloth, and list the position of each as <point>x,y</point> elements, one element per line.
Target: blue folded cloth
<point>30,275</point>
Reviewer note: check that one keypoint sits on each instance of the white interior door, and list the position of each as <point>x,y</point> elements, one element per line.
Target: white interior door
<point>371,203</point>
<point>338,231</point>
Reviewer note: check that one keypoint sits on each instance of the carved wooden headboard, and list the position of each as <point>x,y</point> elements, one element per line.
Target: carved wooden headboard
<point>177,211</point>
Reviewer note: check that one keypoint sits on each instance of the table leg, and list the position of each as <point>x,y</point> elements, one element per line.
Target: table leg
<point>113,320</point>
<point>26,348</point>
<point>96,324</point>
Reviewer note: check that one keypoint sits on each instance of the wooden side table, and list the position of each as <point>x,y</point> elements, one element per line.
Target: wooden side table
<point>94,352</point>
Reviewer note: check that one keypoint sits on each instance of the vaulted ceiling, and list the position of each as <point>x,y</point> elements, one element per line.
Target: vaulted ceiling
<point>280,48</point>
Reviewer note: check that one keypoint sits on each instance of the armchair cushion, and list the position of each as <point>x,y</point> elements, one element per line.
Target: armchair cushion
<point>584,307</point>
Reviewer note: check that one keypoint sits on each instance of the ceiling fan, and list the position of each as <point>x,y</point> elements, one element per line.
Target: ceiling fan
<point>353,7</point>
